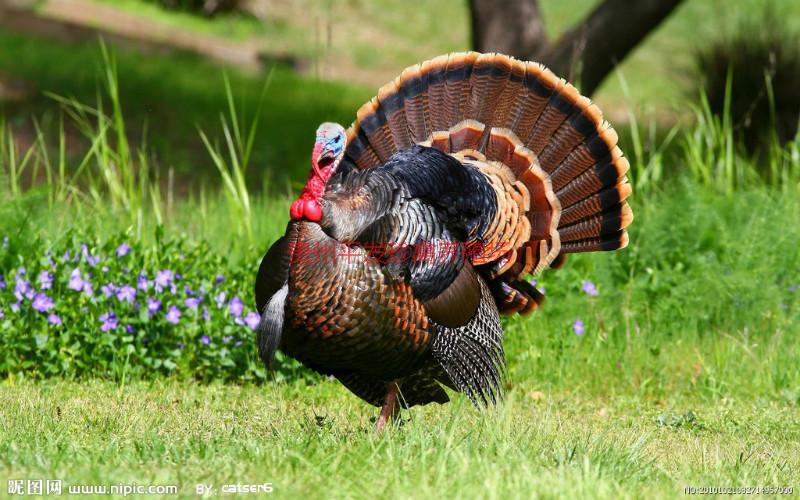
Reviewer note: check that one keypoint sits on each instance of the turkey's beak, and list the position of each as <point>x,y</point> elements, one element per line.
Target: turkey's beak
<point>326,158</point>
<point>323,157</point>
<point>316,156</point>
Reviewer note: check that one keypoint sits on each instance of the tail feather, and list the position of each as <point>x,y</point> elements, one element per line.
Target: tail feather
<point>270,329</point>
<point>417,114</point>
<point>459,71</point>
<point>489,79</point>
<point>392,104</point>
<point>566,173</point>
<point>558,107</point>
<point>594,203</point>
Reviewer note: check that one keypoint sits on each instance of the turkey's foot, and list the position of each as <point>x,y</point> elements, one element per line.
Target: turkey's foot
<point>390,409</point>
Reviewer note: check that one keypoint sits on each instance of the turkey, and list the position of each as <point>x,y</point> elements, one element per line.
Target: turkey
<point>418,225</point>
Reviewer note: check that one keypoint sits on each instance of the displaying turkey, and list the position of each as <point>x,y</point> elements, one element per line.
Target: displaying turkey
<point>419,223</point>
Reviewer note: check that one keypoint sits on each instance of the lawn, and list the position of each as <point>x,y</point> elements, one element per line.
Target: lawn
<point>317,442</point>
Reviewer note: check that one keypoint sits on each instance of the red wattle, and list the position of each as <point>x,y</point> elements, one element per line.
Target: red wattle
<point>296,210</point>
<point>307,206</point>
<point>312,210</point>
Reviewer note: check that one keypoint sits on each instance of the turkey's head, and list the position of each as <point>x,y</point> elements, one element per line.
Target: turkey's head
<point>325,157</point>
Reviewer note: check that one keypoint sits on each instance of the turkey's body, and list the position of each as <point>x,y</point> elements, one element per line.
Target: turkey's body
<point>464,174</point>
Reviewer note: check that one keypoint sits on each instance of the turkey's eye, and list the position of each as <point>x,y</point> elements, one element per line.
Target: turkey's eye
<point>338,139</point>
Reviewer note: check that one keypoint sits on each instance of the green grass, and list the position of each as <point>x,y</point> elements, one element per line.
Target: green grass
<point>316,441</point>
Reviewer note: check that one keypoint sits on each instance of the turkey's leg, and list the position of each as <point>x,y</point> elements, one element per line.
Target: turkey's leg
<point>390,409</point>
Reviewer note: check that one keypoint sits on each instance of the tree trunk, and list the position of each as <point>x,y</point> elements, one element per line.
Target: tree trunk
<point>589,51</point>
<point>586,53</point>
<point>512,27</point>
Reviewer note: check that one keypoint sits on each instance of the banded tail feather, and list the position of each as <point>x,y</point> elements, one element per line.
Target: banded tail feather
<point>564,171</point>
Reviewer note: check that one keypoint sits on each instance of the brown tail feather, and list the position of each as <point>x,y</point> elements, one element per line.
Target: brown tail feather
<point>566,177</point>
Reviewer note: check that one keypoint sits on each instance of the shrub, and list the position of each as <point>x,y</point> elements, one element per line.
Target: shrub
<point>118,309</point>
<point>757,70</point>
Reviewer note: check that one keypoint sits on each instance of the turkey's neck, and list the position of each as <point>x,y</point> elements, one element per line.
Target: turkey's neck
<point>315,255</point>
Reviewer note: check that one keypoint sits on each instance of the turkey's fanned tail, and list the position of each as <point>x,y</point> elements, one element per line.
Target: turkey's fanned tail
<point>520,114</point>
<point>565,173</point>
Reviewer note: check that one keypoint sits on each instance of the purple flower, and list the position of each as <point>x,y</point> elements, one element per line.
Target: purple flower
<point>236,306</point>
<point>1,314</point>
<point>206,316</point>
<point>23,289</point>
<point>219,280</point>
<point>42,303</point>
<point>87,289</point>
<point>129,328</point>
<point>126,293</point>
<point>142,283</point>
<point>45,280</point>
<point>65,257</point>
<point>578,327</point>
<point>75,280</point>
<point>123,250</point>
<point>153,305</point>
<point>163,279</point>
<point>192,302</point>
<point>2,282</point>
<point>589,288</point>
<point>104,269</point>
<point>792,288</point>
<point>109,320</point>
<point>227,338</point>
<point>220,299</point>
<point>205,339</point>
<point>53,319</point>
<point>21,271</point>
<point>532,281</point>
<point>187,290</point>
<point>237,343</point>
<point>252,320</point>
<point>109,289</point>
<point>91,260</point>
<point>173,315</point>
<point>15,306</point>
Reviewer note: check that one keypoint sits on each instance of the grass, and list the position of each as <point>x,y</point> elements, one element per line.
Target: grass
<point>317,442</point>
